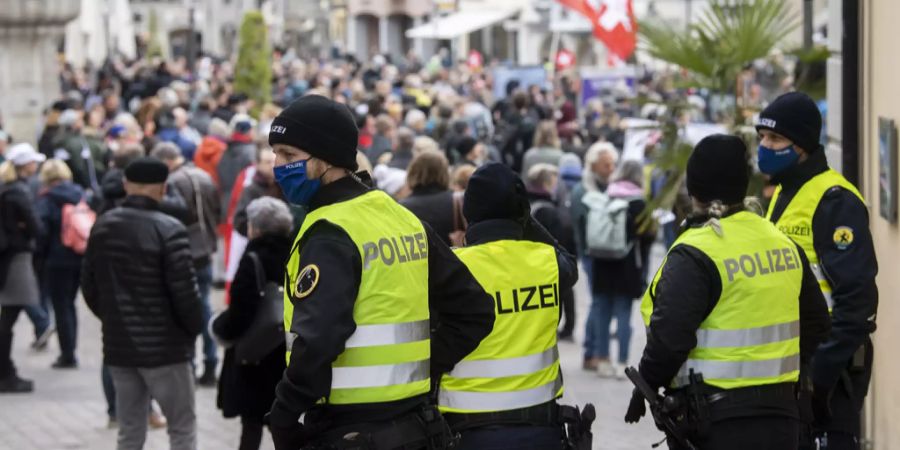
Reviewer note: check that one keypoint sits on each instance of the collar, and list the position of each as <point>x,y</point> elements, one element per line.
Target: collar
<point>140,202</point>
<point>493,230</point>
<point>797,175</point>
<point>428,189</point>
<point>242,138</point>
<point>339,191</point>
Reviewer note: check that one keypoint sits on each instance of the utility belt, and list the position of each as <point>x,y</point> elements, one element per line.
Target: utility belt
<point>696,407</point>
<point>543,415</point>
<point>747,397</point>
<point>420,429</point>
<point>575,424</point>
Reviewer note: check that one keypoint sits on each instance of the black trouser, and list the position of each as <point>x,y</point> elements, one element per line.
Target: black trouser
<point>251,432</point>
<point>63,289</point>
<point>567,298</point>
<point>8,316</point>
<point>749,433</point>
<point>847,401</point>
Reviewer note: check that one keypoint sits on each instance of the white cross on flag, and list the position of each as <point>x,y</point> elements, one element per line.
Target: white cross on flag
<point>613,21</point>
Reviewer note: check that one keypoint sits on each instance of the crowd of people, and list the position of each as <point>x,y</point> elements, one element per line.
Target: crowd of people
<point>188,141</point>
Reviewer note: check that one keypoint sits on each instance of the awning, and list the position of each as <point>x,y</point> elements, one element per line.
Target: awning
<point>459,23</point>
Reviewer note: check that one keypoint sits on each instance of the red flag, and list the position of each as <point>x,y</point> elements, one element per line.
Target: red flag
<point>613,21</point>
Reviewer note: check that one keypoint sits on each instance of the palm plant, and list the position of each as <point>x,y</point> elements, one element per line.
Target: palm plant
<point>253,71</point>
<point>713,52</point>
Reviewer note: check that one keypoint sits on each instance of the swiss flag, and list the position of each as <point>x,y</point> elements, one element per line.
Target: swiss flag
<point>613,21</point>
<point>564,59</point>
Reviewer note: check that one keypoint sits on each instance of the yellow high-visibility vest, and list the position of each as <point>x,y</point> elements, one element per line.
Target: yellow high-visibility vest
<point>517,364</point>
<point>752,336</point>
<point>796,221</point>
<point>388,356</point>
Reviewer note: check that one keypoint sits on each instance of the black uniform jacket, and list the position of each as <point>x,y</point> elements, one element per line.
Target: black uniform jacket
<point>850,269</point>
<point>462,314</point>
<point>686,293</point>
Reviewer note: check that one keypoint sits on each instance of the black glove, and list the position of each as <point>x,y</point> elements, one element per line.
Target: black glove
<point>821,405</point>
<point>286,438</point>
<point>636,409</point>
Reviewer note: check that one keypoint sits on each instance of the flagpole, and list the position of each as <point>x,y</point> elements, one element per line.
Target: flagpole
<point>554,48</point>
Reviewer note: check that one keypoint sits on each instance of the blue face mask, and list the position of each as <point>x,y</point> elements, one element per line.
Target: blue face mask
<point>297,187</point>
<point>773,161</point>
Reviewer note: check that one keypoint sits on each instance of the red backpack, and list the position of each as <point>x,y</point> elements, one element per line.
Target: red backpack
<point>77,221</point>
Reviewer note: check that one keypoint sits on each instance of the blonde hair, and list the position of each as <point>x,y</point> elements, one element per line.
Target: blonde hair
<point>546,135</point>
<point>460,177</point>
<point>54,170</point>
<point>8,172</point>
<point>424,144</point>
<point>716,209</point>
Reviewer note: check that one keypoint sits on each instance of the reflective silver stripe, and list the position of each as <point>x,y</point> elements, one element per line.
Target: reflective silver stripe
<point>496,368</point>
<point>389,333</point>
<point>289,340</point>
<point>828,300</point>
<point>730,370</point>
<point>379,376</point>
<point>499,401</point>
<point>707,338</point>
<point>820,277</point>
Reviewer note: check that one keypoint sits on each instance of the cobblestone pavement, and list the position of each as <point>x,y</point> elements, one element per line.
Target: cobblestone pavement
<point>68,411</point>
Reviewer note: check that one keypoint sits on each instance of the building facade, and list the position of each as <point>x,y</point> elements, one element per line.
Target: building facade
<point>879,70</point>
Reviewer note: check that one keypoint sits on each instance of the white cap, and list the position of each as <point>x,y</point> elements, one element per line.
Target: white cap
<point>23,153</point>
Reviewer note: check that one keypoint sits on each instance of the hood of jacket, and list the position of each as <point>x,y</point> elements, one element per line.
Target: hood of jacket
<point>624,188</point>
<point>65,192</point>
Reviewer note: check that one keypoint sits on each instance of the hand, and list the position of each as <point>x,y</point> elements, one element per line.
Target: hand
<point>821,405</point>
<point>636,409</point>
<point>287,438</point>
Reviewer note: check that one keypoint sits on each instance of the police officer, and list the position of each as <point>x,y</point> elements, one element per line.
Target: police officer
<point>503,395</point>
<point>363,281</point>
<point>729,303</point>
<point>826,215</point>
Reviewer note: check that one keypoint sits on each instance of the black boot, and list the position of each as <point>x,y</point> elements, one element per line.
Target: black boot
<point>9,380</point>
<point>208,379</point>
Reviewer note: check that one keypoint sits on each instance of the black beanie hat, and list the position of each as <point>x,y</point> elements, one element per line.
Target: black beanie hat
<point>795,116</point>
<point>718,170</point>
<point>321,127</point>
<point>465,145</point>
<point>147,170</point>
<point>494,192</point>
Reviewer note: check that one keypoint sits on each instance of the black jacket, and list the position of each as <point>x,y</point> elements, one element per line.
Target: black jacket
<point>20,223</point>
<point>851,270</point>
<point>49,207</point>
<point>434,206</point>
<point>138,279</point>
<point>246,390</point>
<point>462,314</point>
<point>686,293</point>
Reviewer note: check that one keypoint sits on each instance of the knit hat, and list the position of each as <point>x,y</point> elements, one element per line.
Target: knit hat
<point>795,116</point>
<point>321,127</point>
<point>147,170</point>
<point>495,192</point>
<point>718,170</point>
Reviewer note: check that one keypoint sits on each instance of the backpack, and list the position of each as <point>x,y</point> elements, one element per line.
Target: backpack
<point>77,221</point>
<point>606,228</point>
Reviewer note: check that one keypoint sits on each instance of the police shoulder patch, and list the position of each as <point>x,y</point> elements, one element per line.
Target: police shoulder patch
<point>843,237</point>
<point>307,281</point>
